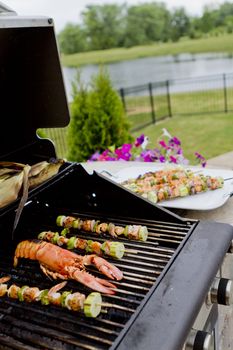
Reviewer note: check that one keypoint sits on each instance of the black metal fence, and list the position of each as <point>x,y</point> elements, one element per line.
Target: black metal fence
<point>146,104</point>
<point>149,103</point>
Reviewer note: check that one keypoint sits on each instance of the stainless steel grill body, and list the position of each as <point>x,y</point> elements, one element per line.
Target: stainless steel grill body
<point>162,286</point>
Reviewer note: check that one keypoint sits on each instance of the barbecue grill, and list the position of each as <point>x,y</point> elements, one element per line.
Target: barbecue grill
<point>173,282</point>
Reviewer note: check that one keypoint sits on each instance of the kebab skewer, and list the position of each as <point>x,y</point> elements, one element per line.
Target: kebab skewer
<point>90,305</point>
<point>113,249</point>
<point>173,183</point>
<point>136,232</point>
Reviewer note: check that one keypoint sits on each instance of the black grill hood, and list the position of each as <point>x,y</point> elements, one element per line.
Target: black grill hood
<point>32,92</point>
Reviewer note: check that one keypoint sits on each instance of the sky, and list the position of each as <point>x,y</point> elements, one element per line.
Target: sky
<point>64,11</point>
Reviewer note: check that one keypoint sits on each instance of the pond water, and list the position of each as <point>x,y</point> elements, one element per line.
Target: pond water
<point>155,69</point>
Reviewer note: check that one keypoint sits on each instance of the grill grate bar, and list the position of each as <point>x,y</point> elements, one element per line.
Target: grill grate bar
<point>129,293</point>
<point>131,286</point>
<point>129,301</point>
<point>134,268</point>
<point>168,257</point>
<point>165,250</point>
<point>165,232</point>
<point>119,307</point>
<point>165,235</point>
<point>158,266</point>
<point>138,276</point>
<point>141,257</point>
<point>109,322</point>
<point>136,280</point>
<point>14,343</point>
<point>138,246</point>
<point>166,240</point>
<point>56,334</point>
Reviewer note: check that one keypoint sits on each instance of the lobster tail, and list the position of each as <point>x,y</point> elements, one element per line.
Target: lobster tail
<point>27,249</point>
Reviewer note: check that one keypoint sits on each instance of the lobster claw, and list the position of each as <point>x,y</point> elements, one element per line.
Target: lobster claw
<point>92,282</point>
<point>103,266</point>
<point>107,269</point>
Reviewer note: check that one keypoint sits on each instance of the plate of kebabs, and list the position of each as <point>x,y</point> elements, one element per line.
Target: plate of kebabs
<point>178,187</point>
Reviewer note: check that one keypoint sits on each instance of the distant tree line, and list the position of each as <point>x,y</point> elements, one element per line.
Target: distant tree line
<point>111,26</point>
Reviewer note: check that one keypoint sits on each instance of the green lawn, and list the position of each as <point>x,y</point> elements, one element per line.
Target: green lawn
<point>209,134</point>
<point>190,103</point>
<point>192,122</point>
<point>221,43</point>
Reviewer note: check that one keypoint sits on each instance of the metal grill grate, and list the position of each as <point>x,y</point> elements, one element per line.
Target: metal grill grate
<point>33,326</point>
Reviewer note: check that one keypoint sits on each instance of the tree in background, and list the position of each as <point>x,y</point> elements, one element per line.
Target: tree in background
<point>110,26</point>
<point>216,18</point>
<point>180,24</point>
<point>72,39</point>
<point>195,28</point>
<point>103,25</point>
<point>146,23</point>
<point>97,118</point>
<point>228,23</point>
<point>224,11</point>
<point>208,19</point>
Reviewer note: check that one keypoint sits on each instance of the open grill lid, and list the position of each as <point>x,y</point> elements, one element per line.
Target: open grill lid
<point>32,96</point>
<point>32,92</point>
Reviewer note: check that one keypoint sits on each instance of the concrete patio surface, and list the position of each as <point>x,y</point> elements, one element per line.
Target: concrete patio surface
<point>222,161</point>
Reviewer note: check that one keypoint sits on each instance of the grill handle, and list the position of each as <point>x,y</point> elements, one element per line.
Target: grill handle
<point>199,340</point>
<point>221,292</point>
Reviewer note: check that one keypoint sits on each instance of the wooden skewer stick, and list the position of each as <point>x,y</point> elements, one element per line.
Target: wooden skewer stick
<point>133,251</point>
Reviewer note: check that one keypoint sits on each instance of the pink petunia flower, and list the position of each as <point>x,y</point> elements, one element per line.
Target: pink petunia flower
<point>139,140</point>
<point>167,150</point>
<point>173,159</point>
<point>163,144</point>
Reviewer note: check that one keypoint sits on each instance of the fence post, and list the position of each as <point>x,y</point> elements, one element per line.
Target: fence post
<point>122,93</point>
<point>225,93</point>
<point>152,103</point>
<point>169,99</point>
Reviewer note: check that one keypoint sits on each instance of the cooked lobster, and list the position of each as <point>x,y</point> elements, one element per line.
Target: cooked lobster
<point>57,262</point>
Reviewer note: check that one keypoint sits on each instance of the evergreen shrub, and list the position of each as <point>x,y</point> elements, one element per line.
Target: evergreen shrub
<point>97,118</point>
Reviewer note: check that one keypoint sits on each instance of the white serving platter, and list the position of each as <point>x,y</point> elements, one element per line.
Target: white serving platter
<point>203,201</point>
